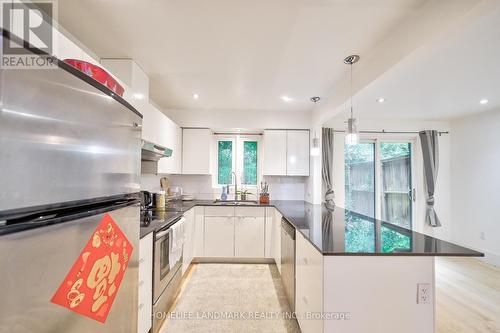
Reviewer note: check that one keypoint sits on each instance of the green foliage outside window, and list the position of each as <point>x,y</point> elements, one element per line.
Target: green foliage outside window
<point>225,162</point>
<point>394,241</point>
<point>392,150</point>
<point>360,237</point>
<point>250,163</point>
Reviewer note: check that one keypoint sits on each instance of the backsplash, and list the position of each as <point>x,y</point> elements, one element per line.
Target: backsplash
<point>200,186</point>
<point>286,188</point>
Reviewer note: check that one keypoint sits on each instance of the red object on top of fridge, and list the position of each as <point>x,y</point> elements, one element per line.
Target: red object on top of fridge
<point>97,73</point>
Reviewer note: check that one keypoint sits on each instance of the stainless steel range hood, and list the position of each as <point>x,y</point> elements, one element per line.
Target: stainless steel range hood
<point>150,155</point>
<point>153,152</point>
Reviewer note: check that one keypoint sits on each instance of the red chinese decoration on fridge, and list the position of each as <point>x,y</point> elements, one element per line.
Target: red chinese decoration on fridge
<point>94,280</point>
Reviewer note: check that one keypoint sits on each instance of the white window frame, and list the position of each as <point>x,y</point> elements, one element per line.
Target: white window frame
<point>237,162</point>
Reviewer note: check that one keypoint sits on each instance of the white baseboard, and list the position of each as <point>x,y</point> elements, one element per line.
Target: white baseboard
<point>491,258</point>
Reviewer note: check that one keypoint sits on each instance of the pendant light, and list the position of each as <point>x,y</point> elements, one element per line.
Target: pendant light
<point>352,134</point>
<point>315,141</point>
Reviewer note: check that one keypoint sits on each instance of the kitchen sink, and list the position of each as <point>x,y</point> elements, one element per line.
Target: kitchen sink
<point>236,202</point>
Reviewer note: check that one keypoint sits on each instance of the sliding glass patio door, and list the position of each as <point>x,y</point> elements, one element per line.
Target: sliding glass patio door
<point>378,180</point>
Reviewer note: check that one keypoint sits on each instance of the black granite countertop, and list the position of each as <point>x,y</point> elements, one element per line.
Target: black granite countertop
<point>337,232</point>
<point>154,220</point>
<point>343,232</point>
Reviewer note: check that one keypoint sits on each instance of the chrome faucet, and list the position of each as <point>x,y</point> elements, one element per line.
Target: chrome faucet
<point>235,185</point>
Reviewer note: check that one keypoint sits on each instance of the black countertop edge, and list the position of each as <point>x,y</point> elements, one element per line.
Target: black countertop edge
<point>144,231</point>
<point>396,254</point>
<point>187,205</point>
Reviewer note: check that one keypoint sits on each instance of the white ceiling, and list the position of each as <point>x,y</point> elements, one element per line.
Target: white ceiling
<point>445,79</point>
<point>237,55</point>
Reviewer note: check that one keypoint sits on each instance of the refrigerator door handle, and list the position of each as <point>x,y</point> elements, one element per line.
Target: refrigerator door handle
<point>67,214</point>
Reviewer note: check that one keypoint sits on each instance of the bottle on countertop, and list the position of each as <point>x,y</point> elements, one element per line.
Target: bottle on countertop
<point>160,200</point>
<point>223,196</point>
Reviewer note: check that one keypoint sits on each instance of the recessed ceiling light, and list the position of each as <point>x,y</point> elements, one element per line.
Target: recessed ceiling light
<point>381,100</point>
<point>286,98</point>
<point>483,101</point>
<point>139,96</point>
<point>196,96</point>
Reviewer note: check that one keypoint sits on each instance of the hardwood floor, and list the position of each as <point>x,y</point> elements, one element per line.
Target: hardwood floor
<point>468,296</point>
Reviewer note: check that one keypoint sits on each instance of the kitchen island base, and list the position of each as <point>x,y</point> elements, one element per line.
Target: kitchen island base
<point>352,294</point>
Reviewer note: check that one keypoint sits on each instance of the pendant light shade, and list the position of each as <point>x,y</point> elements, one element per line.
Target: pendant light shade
<point>352,134</point>
<point>315,147</point>
<point>315,141</point>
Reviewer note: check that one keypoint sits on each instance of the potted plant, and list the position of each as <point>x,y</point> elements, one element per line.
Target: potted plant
<point>243,194</point>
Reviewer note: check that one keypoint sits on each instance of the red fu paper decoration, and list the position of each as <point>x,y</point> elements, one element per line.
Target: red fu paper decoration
<point>94,280</point>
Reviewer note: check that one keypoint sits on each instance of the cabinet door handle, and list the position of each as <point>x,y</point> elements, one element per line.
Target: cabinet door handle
<point>304,299</point>
<point>305,260</point>
<point>141,306</point>
<point>141,260</point>
<point>141,283</point>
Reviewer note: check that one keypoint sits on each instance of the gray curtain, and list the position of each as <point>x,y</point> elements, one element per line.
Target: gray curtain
<point>327,157</point>
<point>430,152</point>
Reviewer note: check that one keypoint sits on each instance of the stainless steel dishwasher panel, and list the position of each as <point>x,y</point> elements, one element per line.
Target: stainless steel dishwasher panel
<point>288,261</point>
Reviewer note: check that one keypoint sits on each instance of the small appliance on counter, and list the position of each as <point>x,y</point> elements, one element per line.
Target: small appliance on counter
<point>146,200</point>
<point>174,192</point>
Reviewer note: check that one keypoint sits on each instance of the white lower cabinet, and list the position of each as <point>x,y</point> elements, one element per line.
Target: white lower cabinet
<point>219,232</point>
<point>199,231</point>
<point>145,284</point>
<point>188,249</point>
<point>249,232</point>
<point>308,286</point>
<point>268,238</point>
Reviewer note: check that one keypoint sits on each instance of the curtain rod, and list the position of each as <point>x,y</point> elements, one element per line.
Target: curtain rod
<point>389,132</point>
<point>235,133</point>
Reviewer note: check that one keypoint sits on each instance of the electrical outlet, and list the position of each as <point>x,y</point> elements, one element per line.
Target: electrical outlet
<point>423,293</point>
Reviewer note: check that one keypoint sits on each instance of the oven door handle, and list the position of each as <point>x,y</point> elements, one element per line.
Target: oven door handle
<point>162,234</point>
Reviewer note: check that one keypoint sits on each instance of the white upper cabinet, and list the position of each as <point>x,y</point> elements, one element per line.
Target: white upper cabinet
<point>286,152</point>
<point>297,153</point>
<point>196,149</point>
<point>275,152</point>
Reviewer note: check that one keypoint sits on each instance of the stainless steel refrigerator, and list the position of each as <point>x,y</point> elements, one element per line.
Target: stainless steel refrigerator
<point>69,154</point>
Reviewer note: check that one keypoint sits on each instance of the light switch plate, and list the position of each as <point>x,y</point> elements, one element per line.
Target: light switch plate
<point>424,293</point>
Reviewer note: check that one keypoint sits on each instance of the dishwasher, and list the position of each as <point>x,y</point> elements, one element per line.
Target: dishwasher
<point>288,261</point>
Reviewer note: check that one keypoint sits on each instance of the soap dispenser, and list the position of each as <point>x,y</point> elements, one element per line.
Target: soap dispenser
<point>223,196</point>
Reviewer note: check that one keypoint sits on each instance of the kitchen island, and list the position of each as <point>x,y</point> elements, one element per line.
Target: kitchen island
<point>358,274</point>
<point>352,272</point>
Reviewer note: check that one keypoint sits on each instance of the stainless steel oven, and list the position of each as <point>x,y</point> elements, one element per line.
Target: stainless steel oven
<point>167,277</point>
